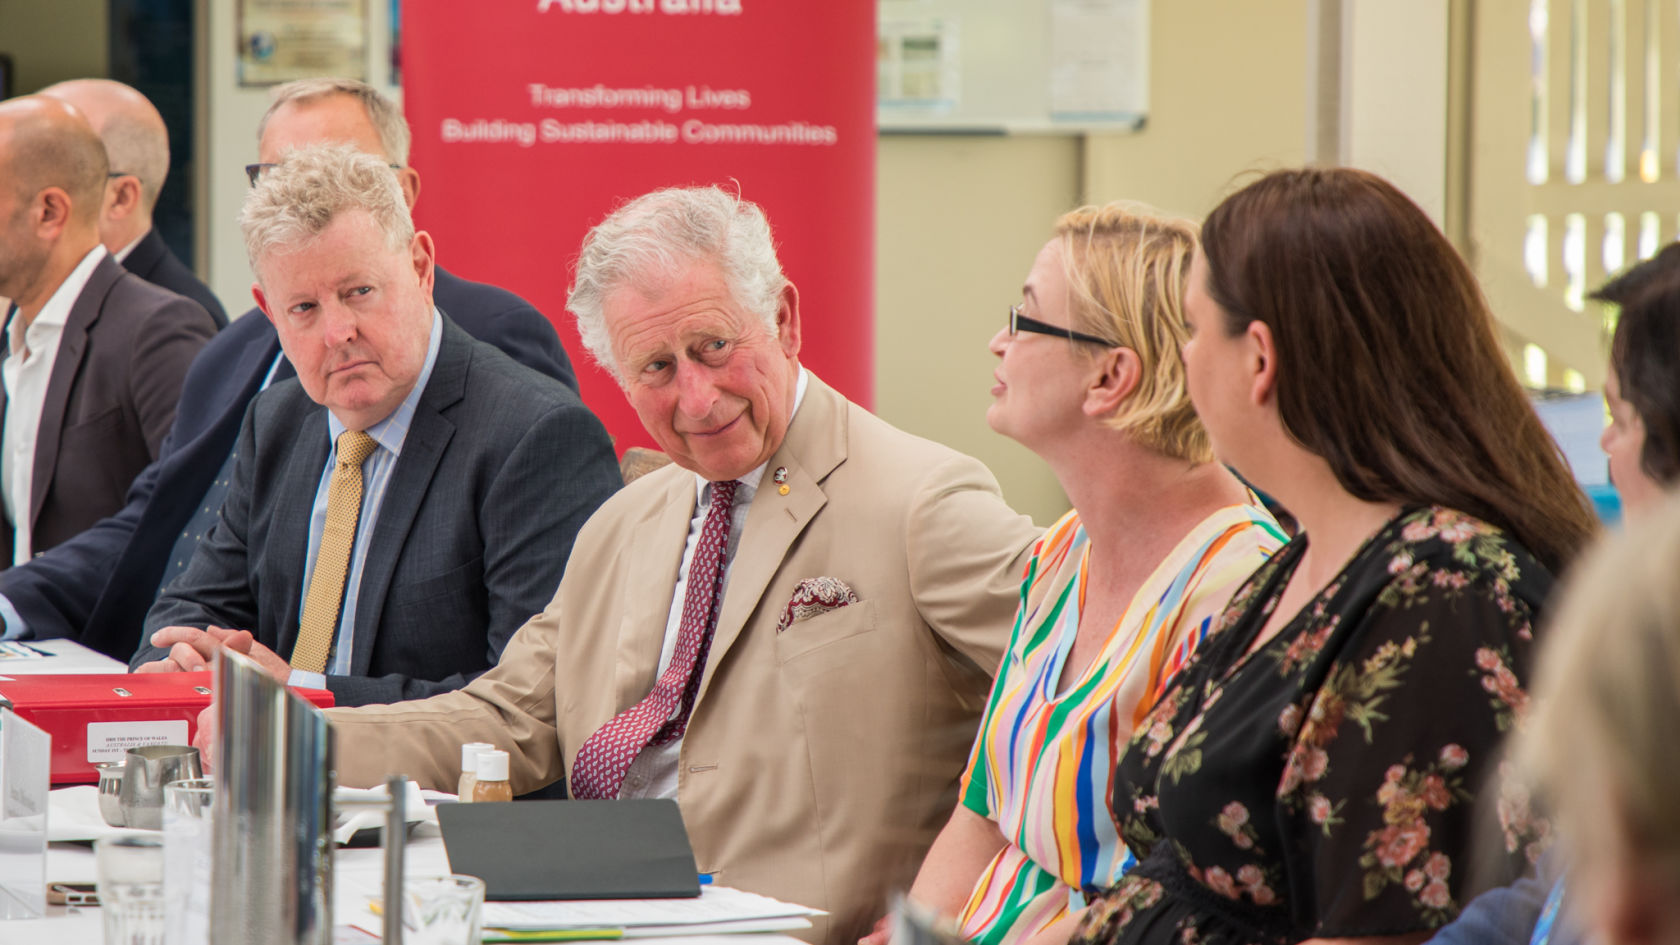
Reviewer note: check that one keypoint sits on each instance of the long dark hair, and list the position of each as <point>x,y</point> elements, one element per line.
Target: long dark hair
<point>1388,364</point>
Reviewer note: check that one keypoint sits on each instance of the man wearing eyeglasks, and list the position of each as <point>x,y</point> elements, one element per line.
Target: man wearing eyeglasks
<point>99,587</point>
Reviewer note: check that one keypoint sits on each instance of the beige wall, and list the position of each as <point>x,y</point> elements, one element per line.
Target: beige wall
<point>959,219</point>
<point>34,34</point>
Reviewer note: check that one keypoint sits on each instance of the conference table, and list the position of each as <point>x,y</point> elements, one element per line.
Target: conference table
<point>357,871</point>
<point>357,878</point>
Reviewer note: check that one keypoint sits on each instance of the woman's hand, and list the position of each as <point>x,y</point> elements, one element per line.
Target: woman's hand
<point>880,934</point>
<point>953,865</point>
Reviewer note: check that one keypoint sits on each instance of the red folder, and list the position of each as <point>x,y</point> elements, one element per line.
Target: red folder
<point>98,718</point>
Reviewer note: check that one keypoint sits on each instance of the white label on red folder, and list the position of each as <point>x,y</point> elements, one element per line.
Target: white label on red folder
<point>110,741</point>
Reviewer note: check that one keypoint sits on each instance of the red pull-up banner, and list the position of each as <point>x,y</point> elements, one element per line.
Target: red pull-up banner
<point>535,118</point>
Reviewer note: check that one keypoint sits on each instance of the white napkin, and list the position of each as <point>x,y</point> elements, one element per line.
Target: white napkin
<point>415,809</point>
<point>73,814</point>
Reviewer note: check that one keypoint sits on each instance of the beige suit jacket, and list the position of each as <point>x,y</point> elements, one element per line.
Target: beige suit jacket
<point>819,761</point>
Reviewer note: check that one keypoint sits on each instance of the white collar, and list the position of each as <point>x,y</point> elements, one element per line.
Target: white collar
<point>56,312</point>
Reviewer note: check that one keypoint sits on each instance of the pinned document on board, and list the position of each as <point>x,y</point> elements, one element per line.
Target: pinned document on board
<point>1099,59</point>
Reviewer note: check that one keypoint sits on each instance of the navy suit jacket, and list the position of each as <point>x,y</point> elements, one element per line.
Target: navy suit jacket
<point>152,260</point>
<point>98,586</point>
<point>499,470</point>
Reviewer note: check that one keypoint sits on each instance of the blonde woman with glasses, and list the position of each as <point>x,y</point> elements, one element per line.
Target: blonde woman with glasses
<point>1117,593</point>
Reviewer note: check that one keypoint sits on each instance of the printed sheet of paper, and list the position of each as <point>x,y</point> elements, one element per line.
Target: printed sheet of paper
<point>715,905</point>
<point>1099,58</point>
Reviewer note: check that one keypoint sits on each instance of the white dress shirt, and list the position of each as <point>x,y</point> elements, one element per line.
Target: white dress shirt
<point>27,368</point>
<point>654,772</point>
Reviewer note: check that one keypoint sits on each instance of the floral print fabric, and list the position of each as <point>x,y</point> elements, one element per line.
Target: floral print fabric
<point>1327,784</point>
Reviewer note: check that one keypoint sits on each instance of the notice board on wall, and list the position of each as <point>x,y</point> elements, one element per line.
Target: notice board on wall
<point>1002,66</point>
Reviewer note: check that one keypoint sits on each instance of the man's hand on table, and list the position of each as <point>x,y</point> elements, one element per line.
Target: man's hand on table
<point>205,738</point>
<point>191,650</point>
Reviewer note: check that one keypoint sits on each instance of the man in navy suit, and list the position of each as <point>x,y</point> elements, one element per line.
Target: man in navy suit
<point>137,144</point>
<point>387,543</point>
<point>98,586</point>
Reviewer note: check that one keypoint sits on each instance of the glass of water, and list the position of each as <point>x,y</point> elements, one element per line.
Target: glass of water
<point>187,807</point>
<point>443,910</point>
<point>130,871</point>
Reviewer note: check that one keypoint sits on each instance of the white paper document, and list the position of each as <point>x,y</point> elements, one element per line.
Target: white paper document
<point>718,909</point>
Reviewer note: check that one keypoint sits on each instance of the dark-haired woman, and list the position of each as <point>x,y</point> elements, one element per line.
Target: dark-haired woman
<point>1312,773</point>
<point>1642,442</point>
<point>1642,388</point>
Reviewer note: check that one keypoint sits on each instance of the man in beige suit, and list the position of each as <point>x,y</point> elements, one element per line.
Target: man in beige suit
<point>863,604</point>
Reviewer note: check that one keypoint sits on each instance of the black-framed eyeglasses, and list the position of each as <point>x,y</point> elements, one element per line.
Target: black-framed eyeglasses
<point>113,175</point>
<point>254,172</point>
<point>1019,323</point>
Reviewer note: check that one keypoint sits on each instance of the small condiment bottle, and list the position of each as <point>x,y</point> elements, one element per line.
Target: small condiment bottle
<point>469,768</point>
<point>492,784</point>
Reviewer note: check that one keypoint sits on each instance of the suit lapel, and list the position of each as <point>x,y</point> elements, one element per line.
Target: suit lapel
<point>6,352</point>
<point>8,533</point>
<point>287,550</point>
<point>656,548</point>
<point>72,346</point>
<point>429,433</point>
<point>815,445</point>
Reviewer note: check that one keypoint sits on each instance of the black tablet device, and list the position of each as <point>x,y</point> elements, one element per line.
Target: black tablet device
<point>572,849</point>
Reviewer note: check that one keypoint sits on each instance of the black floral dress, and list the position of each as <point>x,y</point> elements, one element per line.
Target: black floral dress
<point>1327,785</point>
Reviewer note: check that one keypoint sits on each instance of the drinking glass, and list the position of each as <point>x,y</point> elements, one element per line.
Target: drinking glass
<point>443,910</point>
<point>130,871</point>
<point>186,859</point>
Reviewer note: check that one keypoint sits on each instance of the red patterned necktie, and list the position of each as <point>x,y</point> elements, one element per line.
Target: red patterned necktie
<point>662,716</point>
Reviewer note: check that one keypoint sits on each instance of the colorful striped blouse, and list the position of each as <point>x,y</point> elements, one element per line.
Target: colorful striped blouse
<point>1045,753</point>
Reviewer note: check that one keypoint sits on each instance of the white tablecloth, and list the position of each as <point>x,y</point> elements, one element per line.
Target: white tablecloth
<point>356,878</point>
<point>67,656</point>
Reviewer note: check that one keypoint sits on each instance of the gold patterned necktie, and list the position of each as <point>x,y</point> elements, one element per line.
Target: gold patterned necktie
<point>332,556</point>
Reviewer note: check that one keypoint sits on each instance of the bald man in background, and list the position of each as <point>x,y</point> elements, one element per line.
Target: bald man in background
<point>137,147</point>
<point>94,355</point>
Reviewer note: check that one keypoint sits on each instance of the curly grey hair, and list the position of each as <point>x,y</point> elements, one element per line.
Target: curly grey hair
<point>294,202</point>
<point>656,235</point>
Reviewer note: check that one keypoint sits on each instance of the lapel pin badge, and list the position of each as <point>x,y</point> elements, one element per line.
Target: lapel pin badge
<point>781,478</point>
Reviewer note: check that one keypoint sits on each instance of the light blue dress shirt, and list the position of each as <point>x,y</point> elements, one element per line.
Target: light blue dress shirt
<point>389,433</point>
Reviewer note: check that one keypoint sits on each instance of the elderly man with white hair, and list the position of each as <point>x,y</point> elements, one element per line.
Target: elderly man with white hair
<point>387,543</point>
<point>790,630</point>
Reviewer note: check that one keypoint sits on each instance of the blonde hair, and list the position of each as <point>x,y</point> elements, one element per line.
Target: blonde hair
<point>1608,695</point>
<point>295,201</point>
<point>1128,265</point>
